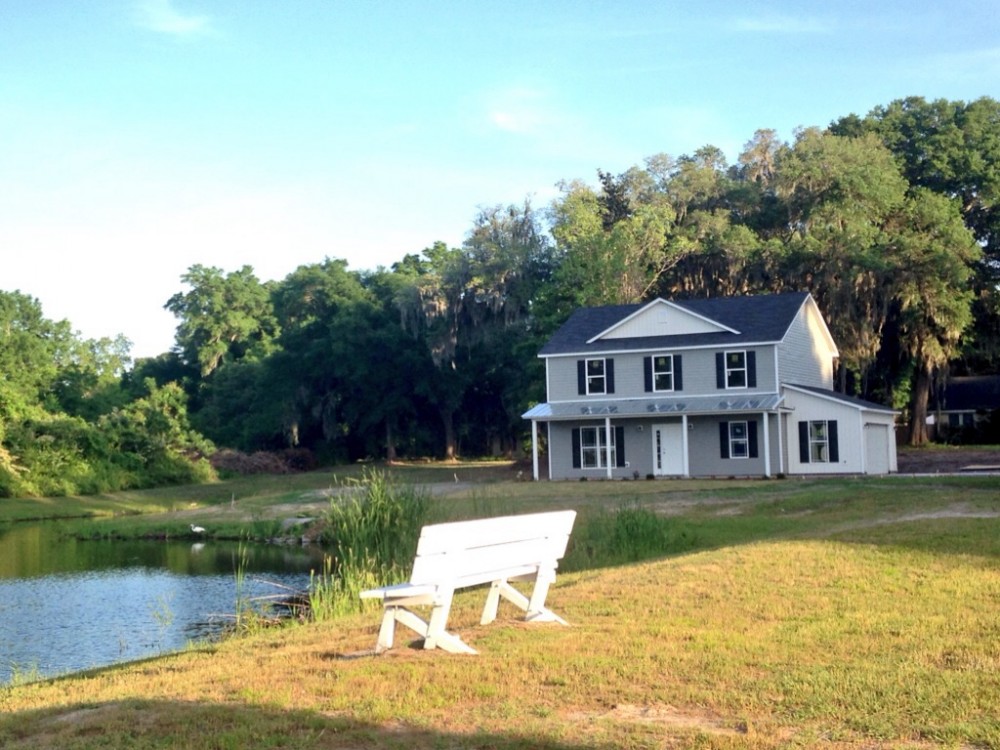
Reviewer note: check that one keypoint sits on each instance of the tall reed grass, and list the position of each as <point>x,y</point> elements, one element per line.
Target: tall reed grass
<point>627,534</point>
<point>373,526</point>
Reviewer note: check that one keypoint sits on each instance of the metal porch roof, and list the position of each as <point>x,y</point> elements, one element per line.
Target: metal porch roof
<point>652,407</point>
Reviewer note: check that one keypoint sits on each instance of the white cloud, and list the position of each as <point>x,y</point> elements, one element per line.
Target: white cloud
<point>162,17</point>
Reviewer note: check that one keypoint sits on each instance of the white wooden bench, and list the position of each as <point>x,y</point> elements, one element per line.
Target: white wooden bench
<point>452,556</point>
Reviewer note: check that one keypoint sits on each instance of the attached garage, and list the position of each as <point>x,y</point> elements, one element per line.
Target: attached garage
<point>830,433</point>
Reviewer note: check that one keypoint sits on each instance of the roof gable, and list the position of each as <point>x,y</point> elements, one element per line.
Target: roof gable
<point>813,320</point>
<point>661,318</point>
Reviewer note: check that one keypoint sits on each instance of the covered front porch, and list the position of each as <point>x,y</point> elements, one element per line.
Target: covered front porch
<point>679,437</point>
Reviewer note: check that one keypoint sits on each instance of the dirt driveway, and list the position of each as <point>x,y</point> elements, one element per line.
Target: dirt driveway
<point>946,460</point>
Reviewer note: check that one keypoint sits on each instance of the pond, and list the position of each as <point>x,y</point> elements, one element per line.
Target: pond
<point>68,605</point>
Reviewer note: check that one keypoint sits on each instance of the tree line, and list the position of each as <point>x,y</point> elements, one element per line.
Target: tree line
<point>890,220</point>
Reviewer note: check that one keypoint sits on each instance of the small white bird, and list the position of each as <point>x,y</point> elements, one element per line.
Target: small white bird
<point>197,529</point>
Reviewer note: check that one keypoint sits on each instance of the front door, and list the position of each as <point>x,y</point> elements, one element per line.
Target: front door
<point>668,448</point>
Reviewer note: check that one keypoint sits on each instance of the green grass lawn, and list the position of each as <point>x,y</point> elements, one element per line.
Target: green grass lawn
<point>838,613</point>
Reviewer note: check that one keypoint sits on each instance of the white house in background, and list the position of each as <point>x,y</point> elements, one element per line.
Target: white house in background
<point>738,386</point>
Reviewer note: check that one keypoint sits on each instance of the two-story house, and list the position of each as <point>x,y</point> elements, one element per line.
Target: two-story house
<point>739,386</point>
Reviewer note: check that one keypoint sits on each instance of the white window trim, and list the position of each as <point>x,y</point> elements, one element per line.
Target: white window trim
<point>727,369</point>
<point>603,376</point>
<point>745,440</point>
<point>600,436</point>
<point>825,441</point>
<point>652,365</point>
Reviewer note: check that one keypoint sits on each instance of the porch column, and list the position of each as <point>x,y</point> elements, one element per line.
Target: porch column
<point>781,441</point>
<point>609,454</point>
<point>686,466</point>
<point>863,444</point>
<point>767,446</point>
<point>534,449</point>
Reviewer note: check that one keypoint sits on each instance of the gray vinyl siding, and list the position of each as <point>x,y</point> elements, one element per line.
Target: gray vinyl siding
<point>802,355</point>
<point>706,455</point>
<point>698,368</point>
<point>703,449</point>
<point>562,379</point>
<point>560,450</point>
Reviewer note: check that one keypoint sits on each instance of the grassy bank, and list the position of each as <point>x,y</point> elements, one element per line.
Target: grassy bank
<point>838,613</point>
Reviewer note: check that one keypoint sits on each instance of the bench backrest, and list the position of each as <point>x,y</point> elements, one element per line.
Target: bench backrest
<point>472,552</point>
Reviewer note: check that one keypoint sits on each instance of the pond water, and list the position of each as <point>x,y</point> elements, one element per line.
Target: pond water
<point>68,605</point>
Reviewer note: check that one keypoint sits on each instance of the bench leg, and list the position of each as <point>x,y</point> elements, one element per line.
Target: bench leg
<point>396,613</point>
<point>432,631</point>
<point>386,631</point>
<point>492,603</point>
<point>437,635</point>
<point>534,608</point>
<point>536,611</point>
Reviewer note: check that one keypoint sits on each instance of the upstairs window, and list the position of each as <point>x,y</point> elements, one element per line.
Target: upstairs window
<point>736,369</point>
<point>595,376</point>
<point>663,373</point>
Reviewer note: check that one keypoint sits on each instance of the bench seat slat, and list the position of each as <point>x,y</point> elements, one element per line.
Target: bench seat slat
<point>399,590</point>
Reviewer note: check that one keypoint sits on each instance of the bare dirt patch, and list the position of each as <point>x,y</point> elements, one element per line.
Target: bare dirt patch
<point>698,720</point>
<point>956,510</point>
<point>947,460</point>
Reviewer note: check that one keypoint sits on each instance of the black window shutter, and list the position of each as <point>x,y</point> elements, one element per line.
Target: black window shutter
<point>751,369</point>
<point>647,366</point>
<point>724,439</point>
<point>609,376</point>
<point>752,438</point>
<point>804,442</point>
<point>576,447</point>
<point>581,376</point>
<point>720,371</point>
<point>831,431</point>
<point>619,446</point>
<point>678,381</point>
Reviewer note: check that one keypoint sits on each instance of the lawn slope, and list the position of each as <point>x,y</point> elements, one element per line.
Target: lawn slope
<point>856,624</point>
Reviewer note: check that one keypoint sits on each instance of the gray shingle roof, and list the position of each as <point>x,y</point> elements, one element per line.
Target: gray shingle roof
<point>859,403</point>
<point>759,319</point>
<point>969,393</point>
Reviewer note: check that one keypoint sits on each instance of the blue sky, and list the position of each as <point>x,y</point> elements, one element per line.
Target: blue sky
<point>139,137</point>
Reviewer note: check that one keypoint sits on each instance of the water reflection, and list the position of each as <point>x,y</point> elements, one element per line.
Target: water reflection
<point>67,605</point>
